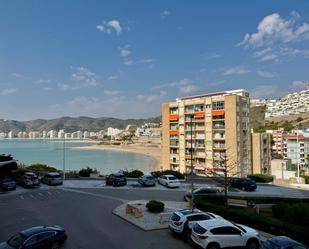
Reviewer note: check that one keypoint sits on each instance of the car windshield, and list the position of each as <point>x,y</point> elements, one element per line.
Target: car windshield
<point>175,217</point>
<point>172,178</point>
<point>270,245</point>
<point>16,241</point>
<point>205,191</point>
<point>149,177</point>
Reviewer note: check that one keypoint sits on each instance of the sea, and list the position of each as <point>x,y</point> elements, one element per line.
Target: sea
<point>51,152</point>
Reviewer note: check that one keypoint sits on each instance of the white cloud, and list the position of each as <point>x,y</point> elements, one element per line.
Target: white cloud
<point>164,14</point>
<point>299,85</point>
<point>108,26</point>
<point>267,92</point>
<point>42,81</point>
<point>7,91</point>
<point>184,86</point>
<point>112,77</point>
<point>273,29</point>
<point>82,78</point>
<point>125,54</point>
<point>214,56</point>
<point>151,98</point>
<point>18,75</point>
<point>265,74</point>
<point>111,92</point>
<point>236,71</point>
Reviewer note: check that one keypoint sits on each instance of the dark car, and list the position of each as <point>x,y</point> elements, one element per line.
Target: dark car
<point>116,179</point>
<point>245,184</point>
<point>40,237</point>
<point>28,180</point>
<point>51,179</point>
<point>7,184</point>
<point>203,191</point>
<point>147,180</point>
<point>282,242</point>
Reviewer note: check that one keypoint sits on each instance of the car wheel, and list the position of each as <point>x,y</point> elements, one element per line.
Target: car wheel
<point>252,244</point>
<point>55,245</point>
<point>213,246</point>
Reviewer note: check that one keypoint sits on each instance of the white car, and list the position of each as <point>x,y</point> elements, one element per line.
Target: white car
<point>220,233</point>
<point>179,219</point>
<point>169,181</point>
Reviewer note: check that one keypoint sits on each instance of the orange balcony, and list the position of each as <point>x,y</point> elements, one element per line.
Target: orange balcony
<point>217,113</point>
<point>174,117</point>
<point>199,114</point>
<point>173,132</point>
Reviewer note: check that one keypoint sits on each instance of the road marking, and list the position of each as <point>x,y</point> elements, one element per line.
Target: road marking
<point>22,197</point>
<point>48,192</point>
<point>40,194</point>
<point>96,195</point>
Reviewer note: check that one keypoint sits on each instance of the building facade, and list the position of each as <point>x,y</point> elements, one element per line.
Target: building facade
<point>201,132</point>
<point>261,153</point>
<point>296,148</point>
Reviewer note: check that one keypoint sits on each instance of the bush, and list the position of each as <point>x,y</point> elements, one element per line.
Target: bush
<point>179,175</point>
<point>133,173</point>
<point>297,213</point>
<point>306,179</point>
<point>261,222</point>
<point>85,172</point>
<point>154,206</point>
<point>41,167</point>
<point>261,178</point>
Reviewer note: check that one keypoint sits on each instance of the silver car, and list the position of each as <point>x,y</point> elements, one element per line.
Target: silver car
<point>52,179</point>
<point>147,180</point>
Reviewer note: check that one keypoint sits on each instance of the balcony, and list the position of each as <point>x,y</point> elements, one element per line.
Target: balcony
<point>218,127</point>
<point>174,161</point>
<point>173,117</point>
<point>217,113</point>
<point>174,132</point>
<point>174,144</point>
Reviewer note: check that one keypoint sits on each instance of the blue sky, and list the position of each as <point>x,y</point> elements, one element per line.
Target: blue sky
<point>125,58</point>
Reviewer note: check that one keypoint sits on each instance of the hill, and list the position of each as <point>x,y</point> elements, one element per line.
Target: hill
<point>71,124</point>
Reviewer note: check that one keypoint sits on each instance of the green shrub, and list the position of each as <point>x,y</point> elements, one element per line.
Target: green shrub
<point>179,175</point>
<point>85,172</point>
<point>154,206</point>
<point>41,167</point>
<point>297,213</point>
<point>261,178</point>
<point>133,173</point>
<point>258,221</point>
<point>116,143</point>
<point>306,179</point>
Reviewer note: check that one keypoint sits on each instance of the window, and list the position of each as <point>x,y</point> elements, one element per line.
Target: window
<point>218,105</point>
<point>225,230</point>
<point>198,229</point>
<point>198,217</point>
<point>16,241</point>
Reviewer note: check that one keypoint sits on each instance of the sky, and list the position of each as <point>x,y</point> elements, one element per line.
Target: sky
<point>124,59</point>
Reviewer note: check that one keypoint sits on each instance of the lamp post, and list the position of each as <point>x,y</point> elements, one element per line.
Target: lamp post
<point>191,156</point>
<point>63,162</point>
<point>297,155</point>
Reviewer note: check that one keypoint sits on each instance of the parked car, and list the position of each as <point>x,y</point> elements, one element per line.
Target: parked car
<point>169,181</point>
<point>282,242</point>
<point>147,180</point>
<point>245,184</point>
<point>37,237</point>
<point>220,233</point>
<point>179,218</point>
<point>203,191</point>
<point>7,184</point>
<point>53,178</point>
<point>116,179</point>
<point>28,180</point>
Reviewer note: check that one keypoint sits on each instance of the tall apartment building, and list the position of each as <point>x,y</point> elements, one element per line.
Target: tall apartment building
<point>278,138</point>
<point>261,153</point>
<point>217,123</point>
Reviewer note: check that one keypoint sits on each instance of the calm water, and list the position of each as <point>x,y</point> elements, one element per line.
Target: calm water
<point>51,153</point>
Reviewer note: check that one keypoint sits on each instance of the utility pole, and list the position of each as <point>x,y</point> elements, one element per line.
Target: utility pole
<point>297,155</point>
<point>225,179</point>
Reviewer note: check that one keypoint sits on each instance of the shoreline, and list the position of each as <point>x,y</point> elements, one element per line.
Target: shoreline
<point>153,152</point>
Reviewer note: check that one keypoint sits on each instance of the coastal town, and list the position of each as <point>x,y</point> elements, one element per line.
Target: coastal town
<point>154,124</point>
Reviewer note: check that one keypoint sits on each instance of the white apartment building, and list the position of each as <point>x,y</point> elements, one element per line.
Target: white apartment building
<point>52,134</point>
<point>296,148</point>
<point>11,134</point>
<point>61,134</point>
<point>86,134</point>
<point>34,134</point>
<point>22,134</point>
<point>44,134</point>
<point>3,135</point>
<point>113,131</point>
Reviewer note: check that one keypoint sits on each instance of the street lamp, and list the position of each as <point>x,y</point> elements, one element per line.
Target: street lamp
<point>191,156</point>
<point>63,162</point>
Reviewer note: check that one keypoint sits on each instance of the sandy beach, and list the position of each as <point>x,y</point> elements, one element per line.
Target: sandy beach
<point>152,150</point>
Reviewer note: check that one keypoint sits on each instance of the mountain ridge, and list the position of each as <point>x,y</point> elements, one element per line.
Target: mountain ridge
<point>71,124</point>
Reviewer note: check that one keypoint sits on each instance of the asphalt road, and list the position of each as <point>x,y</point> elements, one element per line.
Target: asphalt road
<point>86,215</point>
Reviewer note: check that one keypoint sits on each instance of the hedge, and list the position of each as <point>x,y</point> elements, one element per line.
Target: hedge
<point>135,173</point>
<point>154,206</point>
<point>261,178</point>
<point>260,221</point>
<point>306,179</point>
<point>157,174</point>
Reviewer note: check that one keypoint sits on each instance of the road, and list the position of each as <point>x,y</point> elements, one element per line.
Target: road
<point>86,217</point>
